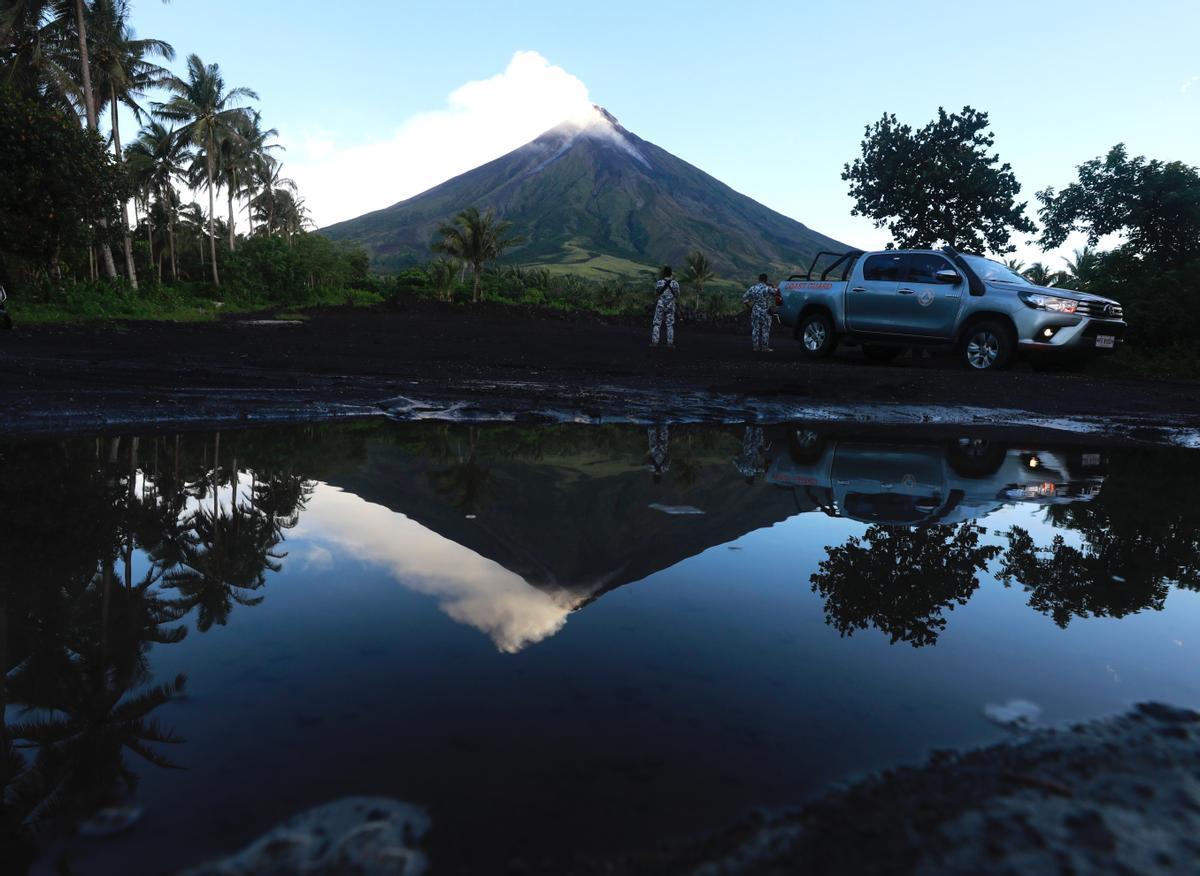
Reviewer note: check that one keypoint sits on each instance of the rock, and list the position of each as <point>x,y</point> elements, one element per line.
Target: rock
<point>356,836</point>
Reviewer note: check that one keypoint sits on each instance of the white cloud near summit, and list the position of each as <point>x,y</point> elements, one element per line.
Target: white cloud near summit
<point>481,120</point>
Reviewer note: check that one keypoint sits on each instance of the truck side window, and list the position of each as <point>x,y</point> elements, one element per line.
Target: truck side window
<point>923,266</point>
<point>883,266</point>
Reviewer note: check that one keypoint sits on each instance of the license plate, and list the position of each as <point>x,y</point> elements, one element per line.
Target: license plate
<point>1090,460</point>
<point>1106,342</point>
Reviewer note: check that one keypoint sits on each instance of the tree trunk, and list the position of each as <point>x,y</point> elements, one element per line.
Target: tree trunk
<point>229,189</point>
<point>116,132</point>
<point>89,101</point>
<point>89,105</point>
<point>171,238</point>
<point>475,297</point>
<point>150,238</point>
<point>212,209</point>
<point>92,261</point>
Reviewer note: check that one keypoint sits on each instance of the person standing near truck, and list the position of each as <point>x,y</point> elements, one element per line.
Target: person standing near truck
<point>760,297</point>
<point>664,310</point>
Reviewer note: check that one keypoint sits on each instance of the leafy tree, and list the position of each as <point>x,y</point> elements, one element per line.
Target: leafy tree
<point>208,112</point>
<point>1154,204</point>
<point>901,580</point>
<point>698,272</point>
<point>475,238</point>
<point>56,182</point>
<point>938,183</point>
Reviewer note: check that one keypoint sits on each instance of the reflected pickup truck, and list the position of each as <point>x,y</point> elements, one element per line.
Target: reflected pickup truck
<point>889,300</point>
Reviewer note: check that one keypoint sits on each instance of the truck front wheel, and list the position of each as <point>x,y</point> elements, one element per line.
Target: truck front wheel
<point>817,339</point>
<point>987,346</point>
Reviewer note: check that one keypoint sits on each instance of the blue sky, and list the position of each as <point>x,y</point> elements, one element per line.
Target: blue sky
<point>771,98</point>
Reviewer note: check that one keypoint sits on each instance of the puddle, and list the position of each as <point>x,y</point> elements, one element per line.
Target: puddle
<point>558,640</point>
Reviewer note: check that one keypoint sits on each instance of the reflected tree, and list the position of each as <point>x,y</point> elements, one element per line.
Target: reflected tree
<point>901,581</point>
<point>1066,582</point>
<point>1138,537</point>
<point>466,480</point>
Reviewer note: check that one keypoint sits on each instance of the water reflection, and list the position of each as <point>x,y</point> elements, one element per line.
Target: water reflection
<point>111,547</point>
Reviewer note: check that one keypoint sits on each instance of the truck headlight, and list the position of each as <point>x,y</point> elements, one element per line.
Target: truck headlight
<point>1050,302</point>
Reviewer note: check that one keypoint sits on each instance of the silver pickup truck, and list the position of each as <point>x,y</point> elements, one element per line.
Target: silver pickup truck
<point>889,300</point>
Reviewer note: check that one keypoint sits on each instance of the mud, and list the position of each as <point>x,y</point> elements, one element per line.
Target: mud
<point>424,359</point>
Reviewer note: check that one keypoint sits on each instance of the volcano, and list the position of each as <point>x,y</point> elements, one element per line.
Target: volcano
<point>595,199</point>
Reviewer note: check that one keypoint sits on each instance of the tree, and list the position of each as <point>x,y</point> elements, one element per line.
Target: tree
<point>476,239</point>
<point>1083,270</point>
<point>441,274</point>
<point>121,73</point>
<point>1039,275</point>
<point>56,182</point>
<point>154,161</point>
<point>1155,205</point>
<point>207,112</point>
<point>937,184</point>
<point>698,272</point>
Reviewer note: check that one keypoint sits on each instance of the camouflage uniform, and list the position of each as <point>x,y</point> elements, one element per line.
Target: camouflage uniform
<point>667,289</point>
<point>658,458</point>
<point>749,461</point>
<point>761,297</point>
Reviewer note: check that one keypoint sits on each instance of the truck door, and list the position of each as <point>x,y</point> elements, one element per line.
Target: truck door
<point>927,308</point>
<point>871,303</point>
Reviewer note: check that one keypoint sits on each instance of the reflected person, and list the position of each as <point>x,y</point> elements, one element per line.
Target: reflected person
<point>658,457</point>
<point>750,462</point>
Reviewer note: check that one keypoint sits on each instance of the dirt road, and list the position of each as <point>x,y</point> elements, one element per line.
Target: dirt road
<point>343,361</point>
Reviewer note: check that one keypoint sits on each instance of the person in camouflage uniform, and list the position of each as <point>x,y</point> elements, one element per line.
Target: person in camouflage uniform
<point>658,457</point>
<point>761,298</point>
<point>664,310</point>
<point>749,463</point>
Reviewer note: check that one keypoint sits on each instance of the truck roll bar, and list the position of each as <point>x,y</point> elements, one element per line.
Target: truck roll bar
<point>846,258</point>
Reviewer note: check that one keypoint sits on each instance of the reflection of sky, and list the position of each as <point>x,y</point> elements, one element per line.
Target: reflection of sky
<point>469,588</point>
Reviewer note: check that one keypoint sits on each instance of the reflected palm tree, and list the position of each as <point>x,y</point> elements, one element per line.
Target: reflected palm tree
<point>901,581</point>
<point>465,482</point>
<point>224,559</point>
<point>84,703</point>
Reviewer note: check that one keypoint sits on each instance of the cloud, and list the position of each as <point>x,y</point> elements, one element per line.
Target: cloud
<point>482,120</point>
<point>1187,86</point>
<point>469,588</point>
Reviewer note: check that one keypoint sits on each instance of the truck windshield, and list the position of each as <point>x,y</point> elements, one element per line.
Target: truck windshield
<point>994,272</point>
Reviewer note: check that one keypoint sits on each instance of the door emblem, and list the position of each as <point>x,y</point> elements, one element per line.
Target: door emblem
<point>925,297</point>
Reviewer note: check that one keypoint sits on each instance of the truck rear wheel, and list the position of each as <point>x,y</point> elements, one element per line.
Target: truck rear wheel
<point>817,339</point>
<point>987,345</point>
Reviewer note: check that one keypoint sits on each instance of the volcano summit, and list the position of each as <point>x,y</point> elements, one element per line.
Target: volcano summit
<point>592,197</point>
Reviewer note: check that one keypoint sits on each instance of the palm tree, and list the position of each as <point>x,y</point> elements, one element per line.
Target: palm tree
<point>36,58</point>
<point>1039,275</point>
<point>242,150</point>
<point>441,274</point>
<point>698,272</point>
<point>122,75</point>
<point>208,113</point>
<point>1015,265</point>
<point>156,159</point>
<point>1082,269</point>
<point>476,239</point>
<point>271,185</point>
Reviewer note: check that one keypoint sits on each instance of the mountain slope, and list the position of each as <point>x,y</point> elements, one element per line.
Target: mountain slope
<point>588,191</point>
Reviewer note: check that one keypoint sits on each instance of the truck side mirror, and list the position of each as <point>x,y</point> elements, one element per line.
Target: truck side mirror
<point>948,276</point>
